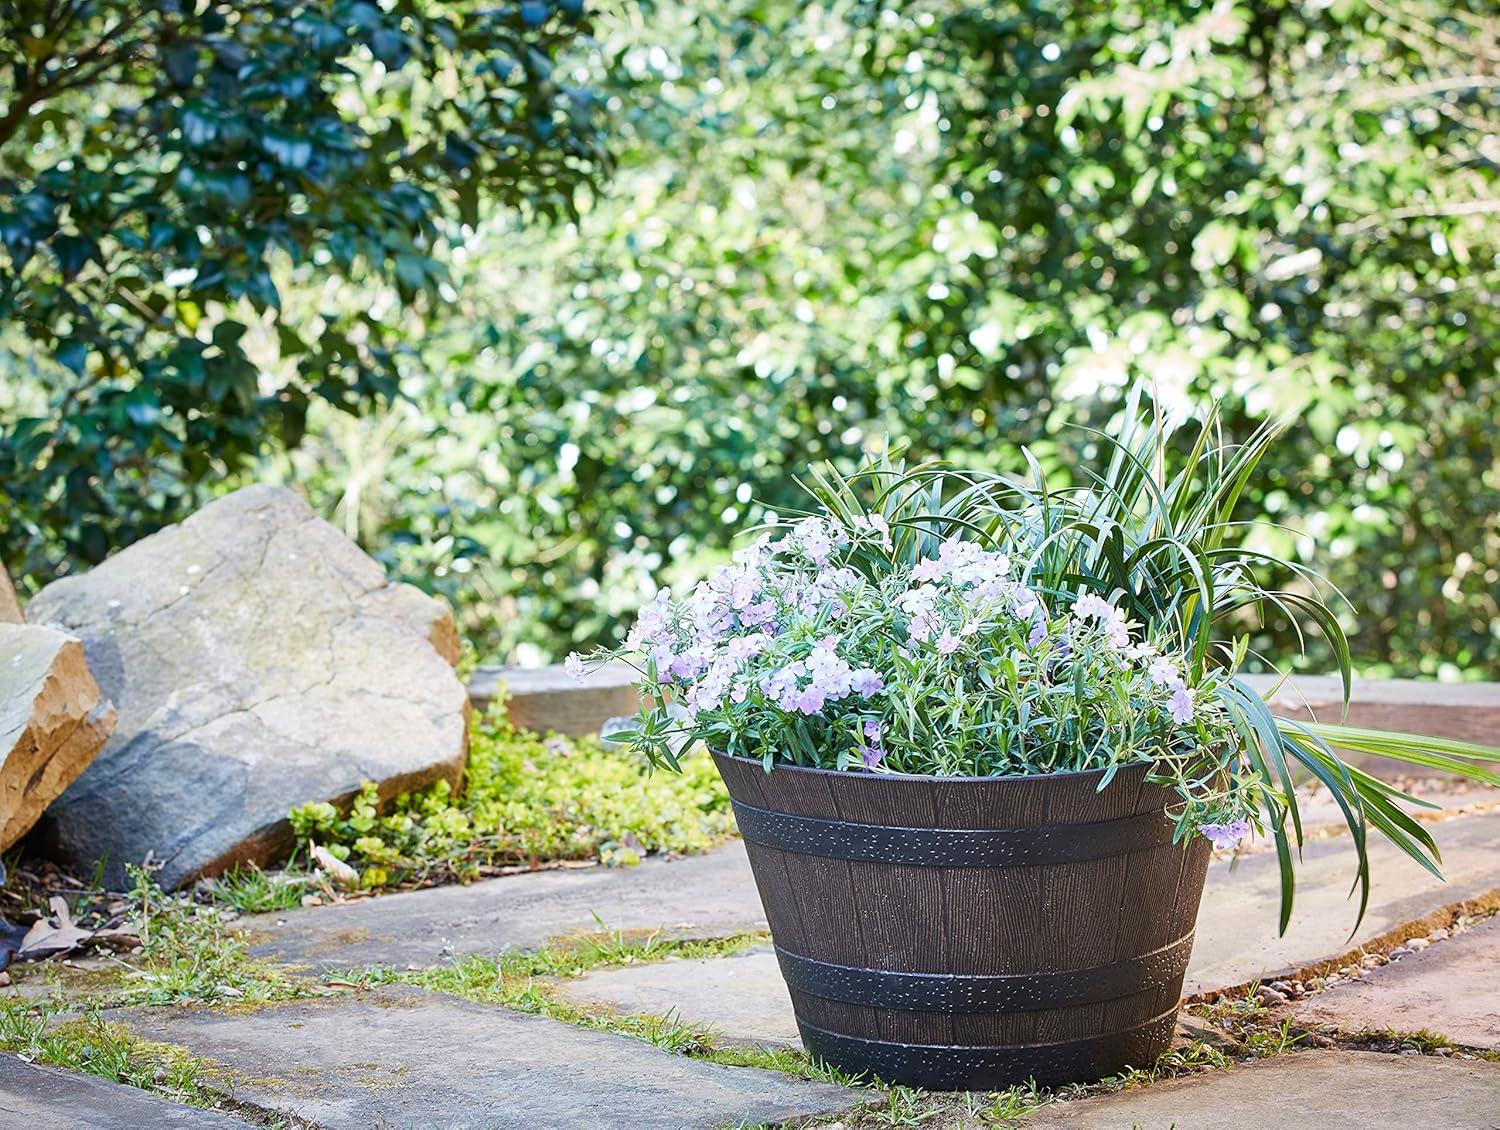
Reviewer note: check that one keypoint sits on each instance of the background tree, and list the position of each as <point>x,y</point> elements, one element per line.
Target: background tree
<point>168,170</point>
<point>960,227</point>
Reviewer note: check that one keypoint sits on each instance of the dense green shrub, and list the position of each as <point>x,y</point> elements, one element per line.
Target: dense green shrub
<point>525,800</point>
<point>959,226</point>
<point>173,175</point>
<point>964,227</point>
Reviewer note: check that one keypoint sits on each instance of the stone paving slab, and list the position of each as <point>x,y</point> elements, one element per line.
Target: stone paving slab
<point>1237,941</point>
<point>1451,988</point>
<point>742,997</point>
<point>708,895</point>
<point>407,1058</point>
<point>714,894</point>
<point>37,1096</point>
<point>1332,1089</point>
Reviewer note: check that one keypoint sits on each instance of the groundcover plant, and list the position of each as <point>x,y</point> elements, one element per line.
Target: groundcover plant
<point>928,621</point>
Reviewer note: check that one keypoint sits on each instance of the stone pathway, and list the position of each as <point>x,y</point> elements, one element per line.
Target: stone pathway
<point>403,1057</point>
<point>400,1056</point>
<point>35,1096</point>
<point>714,894</point>
<point>1452,987</point>
<point>708,895</point>
<point>1331,1089</point>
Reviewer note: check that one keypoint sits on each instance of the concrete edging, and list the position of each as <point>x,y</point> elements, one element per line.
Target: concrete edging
<point>546,699</point>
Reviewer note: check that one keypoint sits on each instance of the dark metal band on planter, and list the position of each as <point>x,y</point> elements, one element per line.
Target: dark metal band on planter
<point>982,1068</point>
<point>951,847</point>
<point>1011,992</point>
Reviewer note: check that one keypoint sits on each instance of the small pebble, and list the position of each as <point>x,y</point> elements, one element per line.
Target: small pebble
<point>1270,997</point>
<point>1417,945</point>
<point>1439,935</point>
<point>1371,960</point>
<point>4,978</point>
<point>1442,1051</point>
<point>1399,951</point>
<point>1410,1051</point>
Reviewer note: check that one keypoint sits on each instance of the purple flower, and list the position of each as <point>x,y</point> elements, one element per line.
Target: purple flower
<point>1226,837</point>
<point>1111,619</point>
<point>651,628</point>
<point>573,665</point>
<point>871,751</point>
<point>877,524</point>
<point>814,539</point>
<point>928,569</point>
<point>1091,607</point>
<point>1164,672</point>
<point>947,642</point>
<point>758,615</point>
<point>1038,630</point>
<point>810,699</point>
<point>746,647</point>
<point>744,588</point>
<point>867,681</point>
<point>1181,705</point>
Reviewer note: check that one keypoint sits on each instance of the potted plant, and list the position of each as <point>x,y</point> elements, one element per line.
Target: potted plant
<point>981,737</point>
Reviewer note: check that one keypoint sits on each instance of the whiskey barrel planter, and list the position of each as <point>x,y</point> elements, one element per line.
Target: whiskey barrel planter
<point>973,933</point>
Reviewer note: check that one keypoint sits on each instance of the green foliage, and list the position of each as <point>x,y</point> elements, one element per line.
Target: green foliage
<point>962,226</point>
<point>189,952</point>
<point>107,1049</point>
<point>1150,529</point>
<point>893,631</point>
<point>1159,531</point>
<point>959,226</point>
<point>525,800</point>
<point>172,171</point>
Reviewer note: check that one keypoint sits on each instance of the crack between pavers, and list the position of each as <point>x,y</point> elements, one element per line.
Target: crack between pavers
<point>253,1112</point>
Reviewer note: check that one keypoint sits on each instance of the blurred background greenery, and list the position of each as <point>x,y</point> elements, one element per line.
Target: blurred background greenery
<point>723,241</point>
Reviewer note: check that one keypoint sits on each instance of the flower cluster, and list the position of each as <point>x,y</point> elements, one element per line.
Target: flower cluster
<point>820,647</point>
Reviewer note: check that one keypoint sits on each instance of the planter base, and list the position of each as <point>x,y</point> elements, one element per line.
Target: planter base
<point>941,1067</point>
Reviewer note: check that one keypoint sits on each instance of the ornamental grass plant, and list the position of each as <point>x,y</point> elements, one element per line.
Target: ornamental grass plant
<point>925,620</point>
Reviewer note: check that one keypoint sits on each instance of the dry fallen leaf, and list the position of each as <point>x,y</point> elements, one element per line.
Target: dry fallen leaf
<point>335,868</point>
<point>54,935</point>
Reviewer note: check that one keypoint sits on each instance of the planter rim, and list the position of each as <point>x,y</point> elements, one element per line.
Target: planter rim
<point>880,776</point>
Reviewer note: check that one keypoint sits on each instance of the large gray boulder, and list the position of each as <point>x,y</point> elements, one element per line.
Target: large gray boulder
<point>259,661</point>
<point>53,721</point>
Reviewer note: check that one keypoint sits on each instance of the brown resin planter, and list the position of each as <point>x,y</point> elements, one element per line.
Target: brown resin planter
<point>973,933</point>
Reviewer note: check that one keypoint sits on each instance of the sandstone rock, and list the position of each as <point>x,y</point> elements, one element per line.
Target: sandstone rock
<point>259,661</point>
<point>10,604</point>
<point>53,721</point>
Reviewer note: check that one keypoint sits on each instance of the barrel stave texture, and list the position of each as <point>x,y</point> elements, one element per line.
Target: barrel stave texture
<point>1029,968</point>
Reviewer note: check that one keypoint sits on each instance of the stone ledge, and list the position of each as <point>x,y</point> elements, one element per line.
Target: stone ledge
<point>1462,711</point>
<point>545,698</point>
